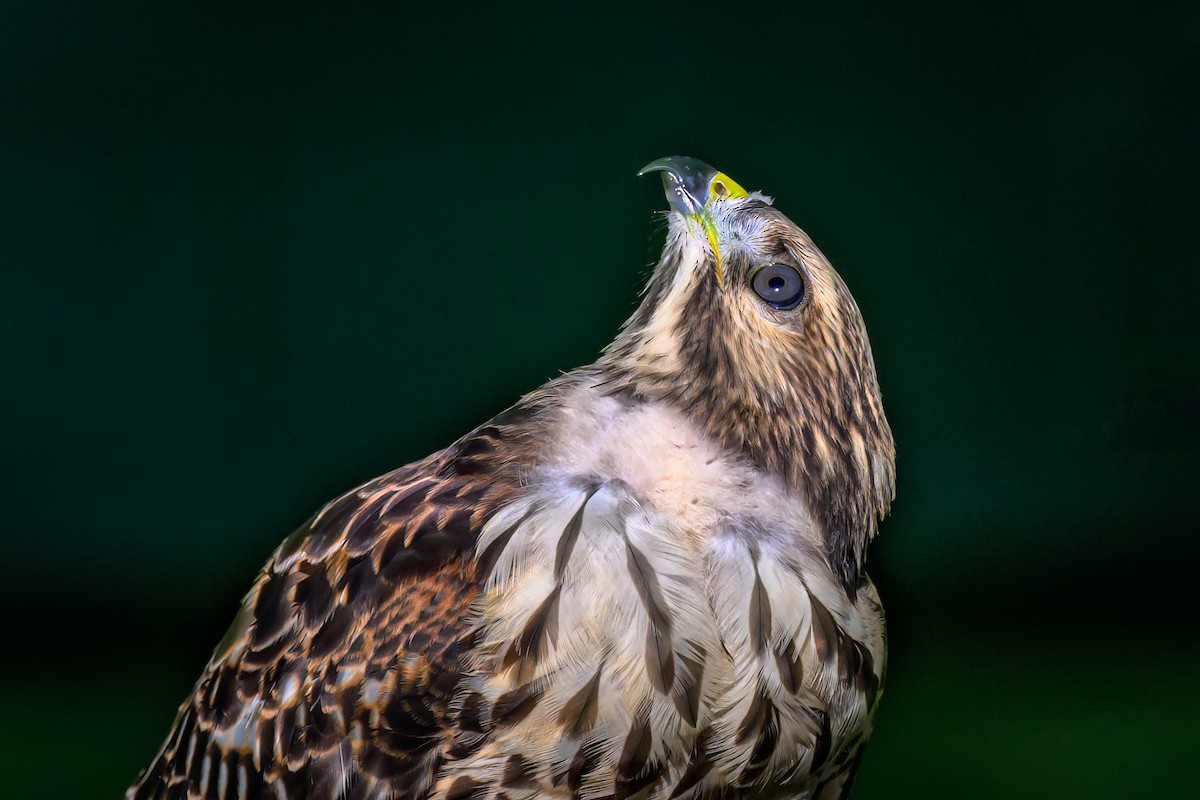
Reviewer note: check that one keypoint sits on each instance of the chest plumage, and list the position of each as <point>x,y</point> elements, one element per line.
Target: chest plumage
<point>644,579</point>
<point>655,619</point>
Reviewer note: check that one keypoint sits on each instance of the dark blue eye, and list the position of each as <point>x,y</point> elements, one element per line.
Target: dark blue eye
<point>780,285</point>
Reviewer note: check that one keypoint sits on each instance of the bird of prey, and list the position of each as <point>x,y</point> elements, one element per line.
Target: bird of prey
<point>643,580</point>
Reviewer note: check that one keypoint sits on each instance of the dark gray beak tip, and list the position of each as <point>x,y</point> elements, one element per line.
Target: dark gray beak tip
<point>685,181</point>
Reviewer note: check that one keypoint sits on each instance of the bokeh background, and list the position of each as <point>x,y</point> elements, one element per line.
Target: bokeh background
<point>256,253</point>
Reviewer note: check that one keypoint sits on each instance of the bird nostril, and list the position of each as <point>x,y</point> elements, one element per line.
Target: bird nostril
<point>720,189</point>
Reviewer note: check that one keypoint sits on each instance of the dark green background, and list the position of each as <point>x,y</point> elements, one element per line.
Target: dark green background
<point>253,255</point>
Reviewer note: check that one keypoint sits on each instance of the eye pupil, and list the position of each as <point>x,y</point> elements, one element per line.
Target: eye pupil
<point>780,285</point>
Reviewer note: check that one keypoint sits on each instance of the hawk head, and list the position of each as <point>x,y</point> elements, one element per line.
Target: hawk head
<point>746,327</point>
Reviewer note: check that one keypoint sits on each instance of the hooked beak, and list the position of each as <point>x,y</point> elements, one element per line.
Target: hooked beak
<point>692,187</point>
<point>690,184</point>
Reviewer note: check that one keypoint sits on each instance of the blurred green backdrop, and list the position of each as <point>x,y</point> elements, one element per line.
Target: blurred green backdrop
<point>254,254</point>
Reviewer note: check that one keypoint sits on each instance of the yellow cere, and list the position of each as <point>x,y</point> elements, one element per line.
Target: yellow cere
<point>724,187</point>
<point>721,187</point>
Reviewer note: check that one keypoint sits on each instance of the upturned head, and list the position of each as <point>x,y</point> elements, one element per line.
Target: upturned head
<point>746,327</point>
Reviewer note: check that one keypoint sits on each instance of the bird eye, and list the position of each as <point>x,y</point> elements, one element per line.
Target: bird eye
<point>780,285</point>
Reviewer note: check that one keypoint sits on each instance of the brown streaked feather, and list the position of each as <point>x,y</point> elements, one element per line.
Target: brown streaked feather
<point>518,773</point>
<point>634,771</point>
<point>511,708</point>
<point>342,668</point>
<point>582,763</point>
<point>566,542</point>
<point>791,667</point>
<point>824,739</point>
<point>761,710</point>
<point>760,615</point>
<point>766,740</point>
<point>825,632</point>
<point>578,714</point>
<point>688,683</point>
<point>699,765</point>
<point>660,656</point>
<point>540,629</point>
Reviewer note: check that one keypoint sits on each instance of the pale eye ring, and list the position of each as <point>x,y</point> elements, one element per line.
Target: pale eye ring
<point>780,285</point>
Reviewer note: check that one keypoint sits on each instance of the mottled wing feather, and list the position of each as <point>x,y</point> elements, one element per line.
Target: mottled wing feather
<point>337,675</point>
